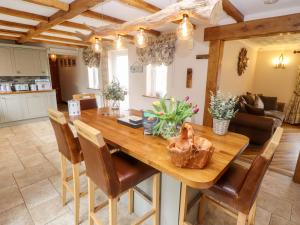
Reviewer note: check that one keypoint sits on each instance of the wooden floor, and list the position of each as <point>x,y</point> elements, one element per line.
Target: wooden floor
<point>286,155</point>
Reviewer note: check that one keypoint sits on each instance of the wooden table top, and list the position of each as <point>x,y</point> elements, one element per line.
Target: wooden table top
<point>152,150</point>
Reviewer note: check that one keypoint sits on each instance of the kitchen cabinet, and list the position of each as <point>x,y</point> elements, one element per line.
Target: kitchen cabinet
<point>44,63</point>
<point>13,107</point>
<point>27,62</point>
<point>6,62</point>
<point>36,105</point>
<point>2,120</point>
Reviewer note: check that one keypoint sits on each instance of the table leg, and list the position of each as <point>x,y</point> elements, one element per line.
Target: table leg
<point>297,171</point>
<point>183,204</point>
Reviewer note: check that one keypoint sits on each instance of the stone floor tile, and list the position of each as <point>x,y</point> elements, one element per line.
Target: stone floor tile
<point>262,217</point>
<point>26,149</point>
<point>16,216</point>
<point>33,160</point>
<point>53,208</point>
<point>6,132</point>
<point>66,219</point>
<point>6,179</point>
<point>34,174</point>
<point>38,193</point>
<point>10,197</point>
<point>296,213</point>
<point>277,220</point>
<point>50,147</point>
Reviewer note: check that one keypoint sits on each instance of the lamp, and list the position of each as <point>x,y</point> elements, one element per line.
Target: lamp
<point>119,42</point>
<point>53,57</point>
<point>280,62</point>
<point>141,39</point>
<point>185,29</point>
<point>97,47</point>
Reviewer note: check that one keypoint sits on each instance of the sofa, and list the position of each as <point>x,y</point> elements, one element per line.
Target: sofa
<point>258,126</point>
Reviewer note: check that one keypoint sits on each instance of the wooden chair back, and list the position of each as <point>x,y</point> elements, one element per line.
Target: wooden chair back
<point>84,96</point>
<point>99,165</point>
<point>87,101</point>
<point>66,141</point>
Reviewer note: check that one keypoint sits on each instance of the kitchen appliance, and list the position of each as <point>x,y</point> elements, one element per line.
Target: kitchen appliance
<point>21,87</point>
<point>43,84</point>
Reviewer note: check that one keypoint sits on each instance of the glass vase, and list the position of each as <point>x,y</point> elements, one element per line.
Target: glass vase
<point>170,129</point>
<point>115,104</point>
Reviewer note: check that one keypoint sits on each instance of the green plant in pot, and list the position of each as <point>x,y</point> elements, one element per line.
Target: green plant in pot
<point>114,93</point>
<point>222,109</point>
<point>171,115</point>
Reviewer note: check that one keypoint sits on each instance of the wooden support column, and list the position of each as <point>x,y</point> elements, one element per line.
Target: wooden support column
<point>214,65</point>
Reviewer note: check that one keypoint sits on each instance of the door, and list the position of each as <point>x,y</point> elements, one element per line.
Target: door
<point>27,62</point>
<point>37,105</point>
<point>119,69</point>
<point>54,71</point>
<point>13,107</point>
<point>6,62</point>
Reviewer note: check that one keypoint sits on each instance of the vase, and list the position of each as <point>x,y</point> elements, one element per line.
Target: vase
<point>220,127</point>
<point>170,129</point>
<point>115,104</point>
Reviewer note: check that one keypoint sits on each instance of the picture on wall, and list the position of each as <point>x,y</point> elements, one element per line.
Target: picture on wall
<point>189,78</point>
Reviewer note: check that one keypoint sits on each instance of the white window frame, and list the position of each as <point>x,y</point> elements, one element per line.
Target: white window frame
<point>93,78</point>
<point>156,86</point>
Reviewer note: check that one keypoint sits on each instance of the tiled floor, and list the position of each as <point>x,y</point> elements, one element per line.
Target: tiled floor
<point>30,186</point>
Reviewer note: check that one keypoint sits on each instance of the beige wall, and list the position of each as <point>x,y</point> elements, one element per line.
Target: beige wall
<point>230,81</point>
<point>275,82</point>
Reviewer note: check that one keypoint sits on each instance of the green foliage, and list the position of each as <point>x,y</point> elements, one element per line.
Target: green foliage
<point>222,107</point>
<point>171,115</point>
<point>114,91</point>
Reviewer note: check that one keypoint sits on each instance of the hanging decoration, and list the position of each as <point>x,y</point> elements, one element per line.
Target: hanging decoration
<point>242,61</point>
<point>119,43</point>
<point>90,57</point>
<point>185,29</point>
<point>160,50</point>
<point>97,46</point>
<point>141,39</point>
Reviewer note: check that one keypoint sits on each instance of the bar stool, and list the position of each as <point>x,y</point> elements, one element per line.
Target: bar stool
<point>69,149</point>
<point>87,101</point>
<point>237,189</point>
<point>114,174</point>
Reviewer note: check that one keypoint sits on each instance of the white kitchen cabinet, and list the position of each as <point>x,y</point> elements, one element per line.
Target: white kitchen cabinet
<point>27,62</point>
<point>36,105</point>
<point>6,62</point>
<point>13,107</point>
<point>44,64</point>
<point>2,119</point>
<point>52,103</point>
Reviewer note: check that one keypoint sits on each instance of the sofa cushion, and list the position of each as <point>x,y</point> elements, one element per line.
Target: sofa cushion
<point>249,99</point>
<point>270,103</point>
<point>258,102</point>
<point>255,111</point>
<point>275,113</point>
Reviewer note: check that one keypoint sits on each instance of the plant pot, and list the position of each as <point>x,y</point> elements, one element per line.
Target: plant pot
<point>115,104</point>
<point>220,127</point>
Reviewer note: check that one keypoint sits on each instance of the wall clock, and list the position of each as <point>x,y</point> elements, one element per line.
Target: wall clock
<point>242,61</point>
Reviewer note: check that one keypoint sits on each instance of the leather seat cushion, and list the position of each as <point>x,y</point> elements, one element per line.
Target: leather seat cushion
<point>231,182</point>
<point>131,171</point>
<point>275,114</point>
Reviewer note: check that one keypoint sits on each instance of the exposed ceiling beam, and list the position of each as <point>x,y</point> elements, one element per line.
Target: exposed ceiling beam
<point>16,25</point>
<point>254,28</point>
<point>51,3</point>
<point>140,4</point>
<point>76,8</point>
<point>12,32</point>
<point>7,37</point>
<point>63,39</point>
<point>57,43</point>
<point>61,32</point>
<point>22,14</point>
<point>100,16</point>
<point>232,11</point>
<point>75,25</point>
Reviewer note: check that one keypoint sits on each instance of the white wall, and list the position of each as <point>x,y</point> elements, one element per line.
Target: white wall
<point>184,59</point>
<point>230,81</point>
<point>276,82</point>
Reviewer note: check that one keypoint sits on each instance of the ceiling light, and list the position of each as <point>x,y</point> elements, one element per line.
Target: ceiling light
<point>141,39</point>
<point>270,1</point>
<point>53,57</point>
<point>119,44</point>
<point>280,62</point>
<point>97,47</point>
<point>185,29</point>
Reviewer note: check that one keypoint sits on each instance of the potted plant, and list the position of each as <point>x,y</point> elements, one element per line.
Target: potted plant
<point>114,93</point>
<point>222,110</point>
<point>171,114</point>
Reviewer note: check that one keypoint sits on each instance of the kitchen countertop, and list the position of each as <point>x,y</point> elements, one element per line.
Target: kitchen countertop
<point>24,92</point>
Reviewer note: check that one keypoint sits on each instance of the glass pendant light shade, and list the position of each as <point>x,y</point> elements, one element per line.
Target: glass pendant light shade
<point>97,47</point>
<point>141,39</point>
<point>119,44</point>
<point>185,29</point>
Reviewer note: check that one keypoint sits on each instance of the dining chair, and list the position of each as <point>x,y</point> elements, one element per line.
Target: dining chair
<point>114,174</point>
<point>87,101</point>
<point>69,149</point>
<point>238,188</point>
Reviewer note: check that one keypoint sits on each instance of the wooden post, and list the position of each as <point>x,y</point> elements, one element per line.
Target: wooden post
<point>214,65</point>
<point>296,178</point>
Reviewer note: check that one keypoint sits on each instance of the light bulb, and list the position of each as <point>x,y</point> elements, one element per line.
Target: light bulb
<point>97,46</point>
<point>141,39</point>
<point>185,29</point>
<point>53,57</point>
<point>119,42</point>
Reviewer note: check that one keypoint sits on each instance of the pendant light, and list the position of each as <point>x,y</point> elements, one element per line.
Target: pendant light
<point>141,39</point>
<point>53,57</point>
<point>119,44</point>
<point>185,29</point>
<point>97,47</point>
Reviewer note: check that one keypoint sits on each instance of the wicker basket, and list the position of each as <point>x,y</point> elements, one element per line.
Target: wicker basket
<point>220,127</point>
<point>190,151</point>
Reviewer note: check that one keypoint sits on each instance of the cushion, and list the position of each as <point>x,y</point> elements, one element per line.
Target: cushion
<point>249,99</point>
<point>258,103</point>
<point>269,102</point>
<point>255,111</point>
<point>276,114</point>
<point>241,105</point>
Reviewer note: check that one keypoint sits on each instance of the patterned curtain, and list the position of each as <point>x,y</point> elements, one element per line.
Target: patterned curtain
<point>90,58</point>
<point>160,50</point>
<point>293,112</point>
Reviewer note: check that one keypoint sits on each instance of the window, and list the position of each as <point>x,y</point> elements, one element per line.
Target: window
<point>156,81</point>
<point>93,78</point>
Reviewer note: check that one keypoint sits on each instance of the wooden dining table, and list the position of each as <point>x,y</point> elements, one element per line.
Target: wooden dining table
<point>152,150</point>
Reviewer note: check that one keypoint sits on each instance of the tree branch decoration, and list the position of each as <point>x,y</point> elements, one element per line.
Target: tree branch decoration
<point>242,61</point>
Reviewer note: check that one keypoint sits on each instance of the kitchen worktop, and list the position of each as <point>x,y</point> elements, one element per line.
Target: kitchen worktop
<point>24,92</point>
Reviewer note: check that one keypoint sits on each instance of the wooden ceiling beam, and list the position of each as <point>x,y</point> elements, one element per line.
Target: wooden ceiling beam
<point>63,39</point>
<point>232,11</point>
<point>51,3</point>
<point>140,4</point>
<point>16,25</point>
<point>76,8</point>
<point>61,32</point>
<point>12,32</point>
<point>22,14</point>
<point>7,37</point>
<point>56,43</point>
<point>254,28</point>
<point>75,25</point>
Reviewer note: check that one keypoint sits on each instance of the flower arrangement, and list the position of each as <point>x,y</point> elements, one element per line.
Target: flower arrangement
<point>115,93</point>
<point>171,115</point>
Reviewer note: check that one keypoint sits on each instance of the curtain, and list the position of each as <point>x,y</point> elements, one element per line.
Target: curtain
<point>159,50</point>
<point>293,112</point>
<point>90,58</point>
